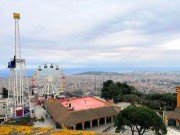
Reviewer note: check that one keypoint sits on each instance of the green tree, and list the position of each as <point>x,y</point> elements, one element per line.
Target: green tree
<point>126,89</point>
<point>140,120</point>
<point>169,99</point>
<point>105,92</point>
<point>115,91</point>
<point>161,100</point>
<point>131,98</point>
<point>118,98</point>
<point>4,93</point>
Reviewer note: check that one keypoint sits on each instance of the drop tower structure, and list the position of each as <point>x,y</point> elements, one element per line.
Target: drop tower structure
<point>18,104</point>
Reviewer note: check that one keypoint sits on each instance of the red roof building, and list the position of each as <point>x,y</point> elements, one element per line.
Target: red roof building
<point>81,113</point>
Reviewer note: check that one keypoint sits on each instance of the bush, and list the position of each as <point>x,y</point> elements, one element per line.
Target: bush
<point>58,125</point>
<point>131,98</point>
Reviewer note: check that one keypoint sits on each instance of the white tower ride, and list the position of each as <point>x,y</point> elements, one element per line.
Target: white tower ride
<point>18,104</point>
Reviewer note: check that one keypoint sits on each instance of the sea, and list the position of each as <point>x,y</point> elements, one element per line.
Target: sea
<point>70,71</point>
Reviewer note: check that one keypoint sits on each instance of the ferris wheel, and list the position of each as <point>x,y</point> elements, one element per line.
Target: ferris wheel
<point>48,80</point>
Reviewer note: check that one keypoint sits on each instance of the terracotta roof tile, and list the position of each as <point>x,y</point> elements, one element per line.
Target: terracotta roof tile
<point>90,114</point>
<point>58,111</point>
<point>173,114</point>
<point>64,116</point>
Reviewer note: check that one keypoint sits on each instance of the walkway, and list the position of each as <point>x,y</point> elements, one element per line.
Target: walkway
<point>101,128</point>
<point>41,112</point>
<point>172,131</point>
<point>123,105</point>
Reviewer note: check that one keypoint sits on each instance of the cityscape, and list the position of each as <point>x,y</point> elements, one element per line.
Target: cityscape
<point>92,67</point>
<point>146,82</point>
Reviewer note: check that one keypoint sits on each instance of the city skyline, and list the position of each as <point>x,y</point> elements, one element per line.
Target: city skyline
<point>94,35</point>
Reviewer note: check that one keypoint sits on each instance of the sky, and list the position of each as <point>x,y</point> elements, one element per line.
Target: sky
<point>93,34</point>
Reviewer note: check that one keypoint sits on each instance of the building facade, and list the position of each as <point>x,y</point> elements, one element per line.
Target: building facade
<point>172,118</point>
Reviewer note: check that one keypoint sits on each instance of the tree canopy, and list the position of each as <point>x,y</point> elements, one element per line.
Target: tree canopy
<point>131,98</point>
<point>140,120</point>
<point>159,101</point>
<point>123,92</point>
<point>114,91</point>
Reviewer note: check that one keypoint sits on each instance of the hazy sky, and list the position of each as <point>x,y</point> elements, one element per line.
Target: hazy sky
<point>90,33</point>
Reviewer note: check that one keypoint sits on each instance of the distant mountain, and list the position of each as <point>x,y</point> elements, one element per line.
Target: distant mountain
<point>97,73</point>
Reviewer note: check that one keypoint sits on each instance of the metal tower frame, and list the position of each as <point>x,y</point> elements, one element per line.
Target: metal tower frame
<point>18,94</point>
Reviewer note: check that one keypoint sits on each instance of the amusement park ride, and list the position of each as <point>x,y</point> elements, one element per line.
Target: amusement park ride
<point>48,80</point>
<point>18,104</point>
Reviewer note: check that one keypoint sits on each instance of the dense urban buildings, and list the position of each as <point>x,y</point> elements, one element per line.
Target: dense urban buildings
<point>146,82</point>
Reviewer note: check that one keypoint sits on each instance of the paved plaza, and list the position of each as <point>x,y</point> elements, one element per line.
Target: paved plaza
<point>41,112</point>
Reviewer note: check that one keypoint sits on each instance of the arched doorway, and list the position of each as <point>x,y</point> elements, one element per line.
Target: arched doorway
<point>87,124</point>
<point>102,121</point>
<point>94,122</point>
<point>79,126</point>
<point>108,119</point>
<point>171,122</point>
<point>70,127</point>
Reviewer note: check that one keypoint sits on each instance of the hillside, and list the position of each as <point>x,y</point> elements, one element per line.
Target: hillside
<point>98,73</point>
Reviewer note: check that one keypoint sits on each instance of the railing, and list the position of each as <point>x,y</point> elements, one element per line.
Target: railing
<point>108,128</point>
